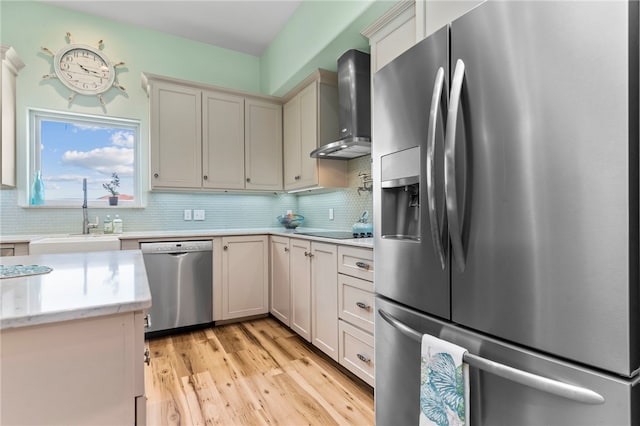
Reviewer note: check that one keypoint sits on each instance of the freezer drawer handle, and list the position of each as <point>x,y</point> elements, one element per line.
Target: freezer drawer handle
<point>364,358</point>
<point>363,305</point>
<point>545,384</point>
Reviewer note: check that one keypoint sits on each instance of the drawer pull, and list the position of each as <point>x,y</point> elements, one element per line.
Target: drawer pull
<point>147,356</point>
<point>363,265</point>
<point>364,358</point>
<point>147,321</point>
<point>364,306</point>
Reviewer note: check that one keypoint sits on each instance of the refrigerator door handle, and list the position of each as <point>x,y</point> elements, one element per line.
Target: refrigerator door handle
<point>544,384</point>
<point>450,190</point>
<point>438,87</point>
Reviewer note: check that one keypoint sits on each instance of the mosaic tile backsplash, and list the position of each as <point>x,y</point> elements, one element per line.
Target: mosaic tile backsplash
<point>164,211</point>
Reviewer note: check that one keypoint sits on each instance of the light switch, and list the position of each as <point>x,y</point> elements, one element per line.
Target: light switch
<point>198,215</point>
<point>187,214</point>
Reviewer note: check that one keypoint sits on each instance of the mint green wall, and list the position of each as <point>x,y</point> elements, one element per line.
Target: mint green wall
<point>315,37</point>
<point>317,34</point>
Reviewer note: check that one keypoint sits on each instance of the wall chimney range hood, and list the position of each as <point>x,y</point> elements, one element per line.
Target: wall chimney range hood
<point>354,102</point>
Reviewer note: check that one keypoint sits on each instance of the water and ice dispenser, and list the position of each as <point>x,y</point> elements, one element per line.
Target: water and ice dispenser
<point>400,198</point>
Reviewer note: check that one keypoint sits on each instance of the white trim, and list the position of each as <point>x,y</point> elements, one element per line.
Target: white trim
<point>11,59</point>
<point>401,8</point>
<point>35,115</point>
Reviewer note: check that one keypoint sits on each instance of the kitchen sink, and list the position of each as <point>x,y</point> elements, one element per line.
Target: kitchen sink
<point>74,243</point>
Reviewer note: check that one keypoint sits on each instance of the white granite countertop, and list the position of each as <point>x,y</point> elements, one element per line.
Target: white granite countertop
<point>80,285</point>
<point>205,233</point>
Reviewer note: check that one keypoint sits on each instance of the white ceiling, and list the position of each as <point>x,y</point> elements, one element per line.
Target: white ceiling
<point>243,25</point>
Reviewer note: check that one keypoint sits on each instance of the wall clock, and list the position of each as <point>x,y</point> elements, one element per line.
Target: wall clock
<point>86,70</point>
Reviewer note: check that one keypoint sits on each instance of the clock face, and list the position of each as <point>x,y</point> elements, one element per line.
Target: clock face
<point>84,69</point>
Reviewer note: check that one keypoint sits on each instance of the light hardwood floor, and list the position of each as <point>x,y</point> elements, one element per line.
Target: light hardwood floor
<point>250,373</point>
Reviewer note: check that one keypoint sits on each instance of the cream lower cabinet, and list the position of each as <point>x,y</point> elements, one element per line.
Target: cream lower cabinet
<point>324,298</point>
<point>245,276</point>
<point>305,274</point>
<point>81,372</point>
<point>291,283</point>
<point>356,311</point>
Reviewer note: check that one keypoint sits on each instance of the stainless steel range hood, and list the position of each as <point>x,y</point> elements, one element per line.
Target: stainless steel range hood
<point>354,99</point>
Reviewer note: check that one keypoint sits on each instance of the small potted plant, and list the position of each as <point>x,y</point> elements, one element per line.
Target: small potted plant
<point>111,187</point>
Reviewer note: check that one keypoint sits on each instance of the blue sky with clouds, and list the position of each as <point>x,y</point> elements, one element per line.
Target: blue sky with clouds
<point>71,152</point>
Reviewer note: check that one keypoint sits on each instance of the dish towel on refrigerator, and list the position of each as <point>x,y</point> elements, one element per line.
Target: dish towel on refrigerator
<point>444,384</point>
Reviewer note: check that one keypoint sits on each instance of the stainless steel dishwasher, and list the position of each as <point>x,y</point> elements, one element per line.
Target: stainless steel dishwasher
<point>180,280</point>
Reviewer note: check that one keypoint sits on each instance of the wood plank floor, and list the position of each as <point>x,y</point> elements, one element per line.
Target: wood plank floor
<point>251,373</point>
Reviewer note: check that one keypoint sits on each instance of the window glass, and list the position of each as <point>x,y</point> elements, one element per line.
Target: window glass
<point>68,148</point>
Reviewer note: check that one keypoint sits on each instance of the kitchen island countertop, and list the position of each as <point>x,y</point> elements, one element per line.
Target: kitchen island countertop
<point>80,285</point>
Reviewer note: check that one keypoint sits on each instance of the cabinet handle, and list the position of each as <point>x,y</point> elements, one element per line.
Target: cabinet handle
<point>225,248</point>
<point>306,254</point>
<point>286,249</point>
<point>205,177</point>
<point>155,175</point>
<point>311,255</point>
<point>296,177</point>
<point>248,179</point>
<point>363,265</point>
<point>147,356</point>
<point>364,358</point>
<point>147,321</point>
<point>362,305</point>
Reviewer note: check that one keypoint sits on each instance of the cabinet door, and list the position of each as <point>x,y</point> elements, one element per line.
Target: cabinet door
<point>280,282</point>
<point>222,141</point>
<point>176,136</point>
<point>245,279</point>
<point>263,145</point>
<point>292,148</point>
<point>324,298</point>
<point>308,135</point>
<point>301,287</point>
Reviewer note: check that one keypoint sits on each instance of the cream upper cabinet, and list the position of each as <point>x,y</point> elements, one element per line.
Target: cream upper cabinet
<point>11,65</point>
<point>392,34</point>
<point>311,120</point>
<point>203,138</point>
<point>263,145</point>
<point>245,276</point>
<point>432,15</point>
<point>223,140</point>
<point>176,136</point>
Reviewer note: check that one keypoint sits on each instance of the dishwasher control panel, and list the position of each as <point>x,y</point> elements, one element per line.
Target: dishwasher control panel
<point>176,247</point>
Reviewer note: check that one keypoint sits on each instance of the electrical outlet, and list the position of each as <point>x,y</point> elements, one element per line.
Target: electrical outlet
<point>198,215</point>
<point>330,214</point>
<point>187,214</point>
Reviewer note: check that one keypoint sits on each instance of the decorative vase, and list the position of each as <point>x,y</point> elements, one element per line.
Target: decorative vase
<point>37,190</point>
<point>113,201</point>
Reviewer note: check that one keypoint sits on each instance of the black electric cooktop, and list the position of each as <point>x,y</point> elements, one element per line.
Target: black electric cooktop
<point>340,235</point>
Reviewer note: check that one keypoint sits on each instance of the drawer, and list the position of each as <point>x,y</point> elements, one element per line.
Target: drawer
<point>356,351</point>
<point>355,301</point>
<point>356,261</point>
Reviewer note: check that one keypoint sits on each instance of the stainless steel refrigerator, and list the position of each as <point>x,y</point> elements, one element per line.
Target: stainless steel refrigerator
<point>506,172</point>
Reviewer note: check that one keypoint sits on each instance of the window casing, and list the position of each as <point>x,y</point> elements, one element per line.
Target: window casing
<point>68,147</point>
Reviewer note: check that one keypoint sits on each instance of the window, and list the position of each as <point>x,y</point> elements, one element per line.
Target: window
<point>67,148</point>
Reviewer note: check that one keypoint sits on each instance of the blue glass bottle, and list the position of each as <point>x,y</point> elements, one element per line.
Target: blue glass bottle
<point>37,190</point>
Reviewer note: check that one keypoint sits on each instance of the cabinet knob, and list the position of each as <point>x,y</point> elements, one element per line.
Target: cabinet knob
<point>205,177</point>
<point>362,305</point>
<point>147,356</point>
<point>286,249</point>
<point>363,265</point>
<point>248,179</point>
<point>296,177</point>
<point>155,175</point>
<point>363,358</point>
<point>311,255</point>
<point>225,248</point>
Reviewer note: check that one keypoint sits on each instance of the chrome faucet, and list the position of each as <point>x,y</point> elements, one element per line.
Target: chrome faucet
<point>86,225</point>
<point>85,216</point>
